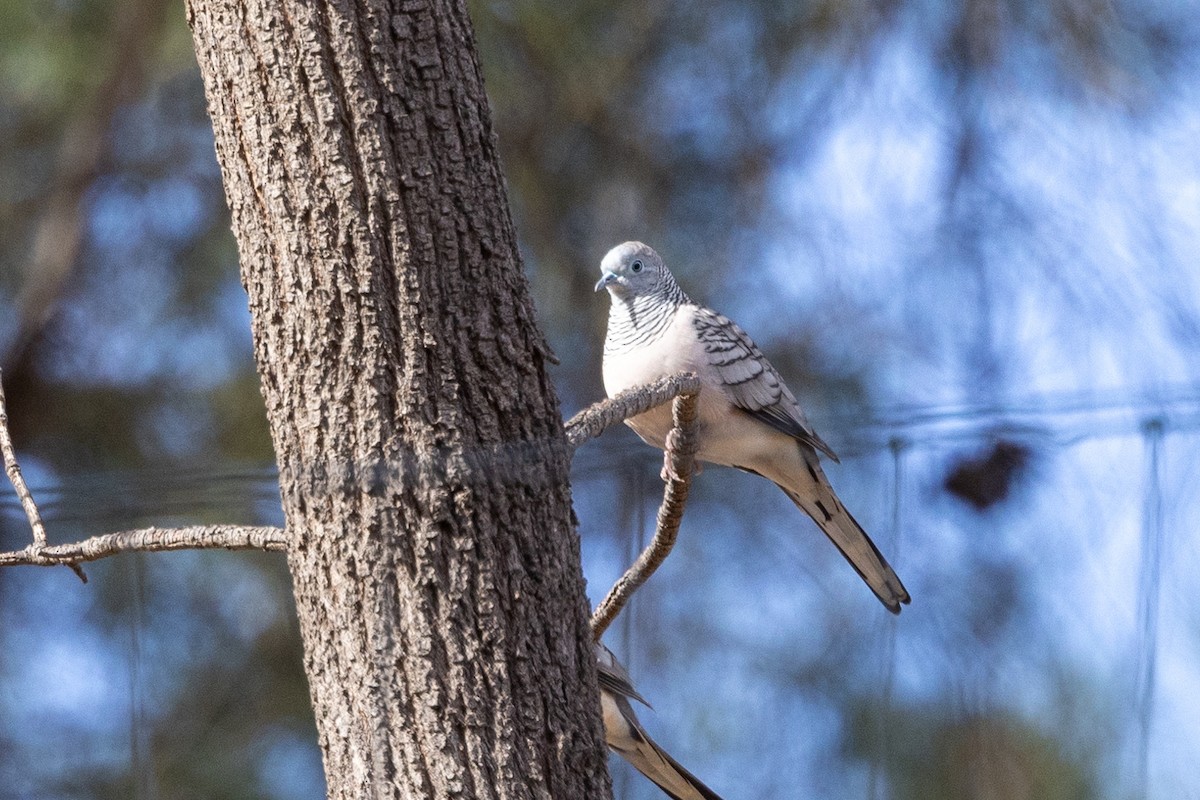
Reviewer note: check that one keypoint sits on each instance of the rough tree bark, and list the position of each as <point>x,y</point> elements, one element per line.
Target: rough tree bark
<point>423,468</point>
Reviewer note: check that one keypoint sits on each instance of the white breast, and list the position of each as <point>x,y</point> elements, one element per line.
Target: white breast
<point>674,352</point>
<point>727,436</point>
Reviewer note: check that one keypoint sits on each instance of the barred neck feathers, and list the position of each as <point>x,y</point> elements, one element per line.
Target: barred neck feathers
<point>642,319</point>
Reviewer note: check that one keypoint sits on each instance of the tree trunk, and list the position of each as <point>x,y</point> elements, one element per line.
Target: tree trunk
<point>423,468</point>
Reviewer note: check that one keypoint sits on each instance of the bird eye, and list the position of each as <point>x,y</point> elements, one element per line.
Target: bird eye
<point>636,266</point>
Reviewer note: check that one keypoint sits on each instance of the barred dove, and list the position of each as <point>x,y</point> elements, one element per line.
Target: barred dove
<point>626,737</point>
<point>748,418</point>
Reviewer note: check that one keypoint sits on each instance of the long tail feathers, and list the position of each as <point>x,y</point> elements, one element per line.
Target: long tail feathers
<point>626,737</point>
<point>654,762</point>
<point>636,747</point>
<point>819,501</point>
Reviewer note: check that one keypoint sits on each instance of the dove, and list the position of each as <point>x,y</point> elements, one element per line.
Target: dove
<point>627,738</point>
<point>747,417</point>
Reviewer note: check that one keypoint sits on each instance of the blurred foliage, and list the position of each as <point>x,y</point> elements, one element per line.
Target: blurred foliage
<point>920,209</point>
<point>986,757</point>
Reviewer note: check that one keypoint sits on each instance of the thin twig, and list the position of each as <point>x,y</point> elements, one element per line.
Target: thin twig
<point>678,463</point>
<point>151,540</point>
<point>599,417</point>
<point>41,553</point>
<point>16,479</point>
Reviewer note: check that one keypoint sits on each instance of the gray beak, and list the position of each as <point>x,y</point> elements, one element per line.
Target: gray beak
<point>609,277</point>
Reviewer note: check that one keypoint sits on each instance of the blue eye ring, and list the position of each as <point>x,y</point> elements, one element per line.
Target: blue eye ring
<point>636,266</point>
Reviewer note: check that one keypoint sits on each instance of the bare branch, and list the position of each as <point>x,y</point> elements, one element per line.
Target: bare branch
<point>40,553</point>
<point>599,417</point>
<point>678,463</point>
<point>151,540</point>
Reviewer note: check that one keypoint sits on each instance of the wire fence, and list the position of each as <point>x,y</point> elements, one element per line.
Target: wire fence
<point>895,448</point>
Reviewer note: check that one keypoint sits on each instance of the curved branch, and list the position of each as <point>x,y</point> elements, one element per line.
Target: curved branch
<point>150,540</point>
<point>678,463</point>
<point>599,417</point>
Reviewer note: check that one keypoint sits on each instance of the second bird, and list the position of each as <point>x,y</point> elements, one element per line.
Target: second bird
<point>747,417</point>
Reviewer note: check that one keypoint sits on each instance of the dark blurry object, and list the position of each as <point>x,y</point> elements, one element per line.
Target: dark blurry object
<point>986,479</point>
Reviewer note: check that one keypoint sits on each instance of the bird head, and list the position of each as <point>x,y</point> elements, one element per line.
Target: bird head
<point>633,269</point>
